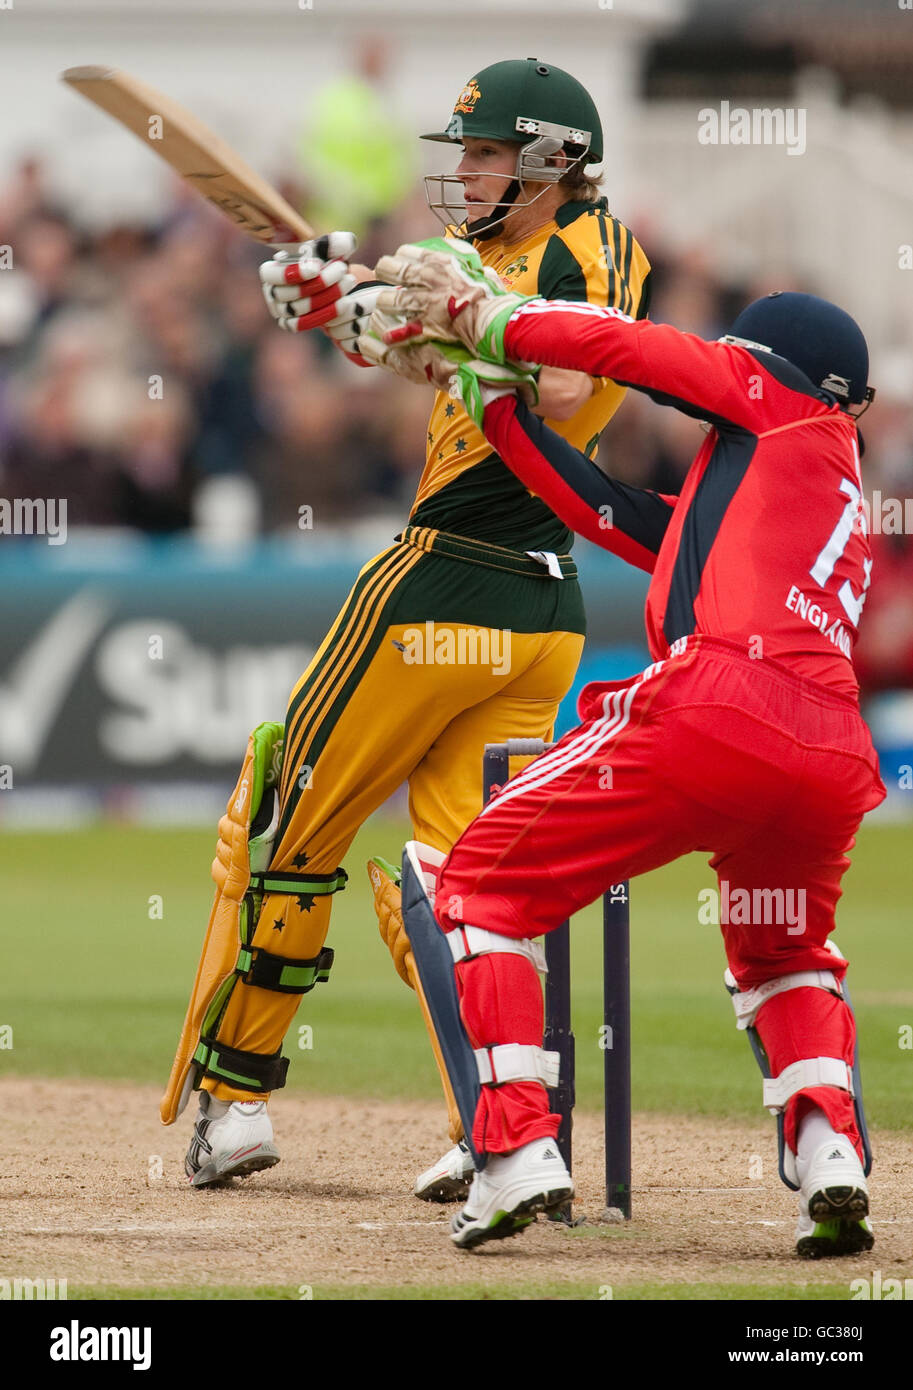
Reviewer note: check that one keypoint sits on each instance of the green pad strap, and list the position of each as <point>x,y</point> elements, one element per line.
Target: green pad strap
<point>251,1071</point>
<point>273,882</point>
<point>279,973</point>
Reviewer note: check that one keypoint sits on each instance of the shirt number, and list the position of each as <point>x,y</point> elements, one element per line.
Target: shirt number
<point>823,567</point>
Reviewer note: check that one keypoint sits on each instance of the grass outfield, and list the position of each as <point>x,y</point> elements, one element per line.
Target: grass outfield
<point>476,1293</point>
<point>94,986</point>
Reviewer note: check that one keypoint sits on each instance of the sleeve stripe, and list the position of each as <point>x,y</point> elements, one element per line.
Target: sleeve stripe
<point>542,306</point>
<point>643,305</point>
<point>620,296</point>
<point>627,271</point>
<point>609,263</point>
<point>547,306</point>
<point>616,233</point>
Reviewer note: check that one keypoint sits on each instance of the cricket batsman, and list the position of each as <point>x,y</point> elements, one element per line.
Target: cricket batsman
<point>467,629</point>
<point>743,738</point>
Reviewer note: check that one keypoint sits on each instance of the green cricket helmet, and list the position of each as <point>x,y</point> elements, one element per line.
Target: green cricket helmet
<point>542,108</point>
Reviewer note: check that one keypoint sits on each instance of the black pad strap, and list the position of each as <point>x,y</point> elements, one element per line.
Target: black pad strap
<point>249,1071</point>
<point>274,882</point>
<point>267,971</point>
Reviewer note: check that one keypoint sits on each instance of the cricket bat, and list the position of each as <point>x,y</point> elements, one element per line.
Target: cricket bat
<point>201,158</point>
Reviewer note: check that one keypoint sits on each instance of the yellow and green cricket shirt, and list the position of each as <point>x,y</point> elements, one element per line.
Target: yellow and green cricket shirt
<point>584,254</point>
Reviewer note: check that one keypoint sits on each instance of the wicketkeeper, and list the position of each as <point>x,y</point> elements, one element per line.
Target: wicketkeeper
<point>742,739</point>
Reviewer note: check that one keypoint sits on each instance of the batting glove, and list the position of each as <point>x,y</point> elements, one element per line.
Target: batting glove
<point>353,313</point>
<point>302,291</point>
<point>445,293</point>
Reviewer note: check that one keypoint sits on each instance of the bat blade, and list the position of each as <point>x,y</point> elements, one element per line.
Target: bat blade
<point>201,158</point>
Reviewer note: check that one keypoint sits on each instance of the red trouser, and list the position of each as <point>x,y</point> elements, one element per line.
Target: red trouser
<point>708,750</point>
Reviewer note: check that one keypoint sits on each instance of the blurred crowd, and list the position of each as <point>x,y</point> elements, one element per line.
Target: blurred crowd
<point>140,375</point>
<point>142,379</point>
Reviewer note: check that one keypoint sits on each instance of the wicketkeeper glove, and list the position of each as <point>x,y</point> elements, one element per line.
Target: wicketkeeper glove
<point>420,360</point>
<point>478,383</point>
<point>447,366</point>
<point>445,293</point>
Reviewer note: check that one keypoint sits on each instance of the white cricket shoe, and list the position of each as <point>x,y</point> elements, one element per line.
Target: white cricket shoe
<point>833,1203</point>
<point>509,1191</point>
<point>229,1141</point>
<point>447,1180</point>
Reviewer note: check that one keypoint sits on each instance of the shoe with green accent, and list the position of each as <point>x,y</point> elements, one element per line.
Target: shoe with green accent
<point>833,1204</point>
<point>509,1191</point>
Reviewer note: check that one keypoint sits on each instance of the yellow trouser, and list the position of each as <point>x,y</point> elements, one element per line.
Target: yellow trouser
<point>381,704</point>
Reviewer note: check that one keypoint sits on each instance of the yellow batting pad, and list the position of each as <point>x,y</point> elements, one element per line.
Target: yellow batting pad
<point>390,917</point>
<point>231,872</point>
<point>388,906</point>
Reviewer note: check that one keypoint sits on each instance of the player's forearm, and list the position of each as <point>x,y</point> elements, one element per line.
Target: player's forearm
<point>577,337</point>
<point>707,380</point>
<point>562,393</point>
<point>631,522</point>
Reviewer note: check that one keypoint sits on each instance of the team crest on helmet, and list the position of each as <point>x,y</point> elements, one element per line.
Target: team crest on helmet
<point>465,102</point>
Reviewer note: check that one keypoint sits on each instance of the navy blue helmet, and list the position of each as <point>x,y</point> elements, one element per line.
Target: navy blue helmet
<point>814,335</point>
